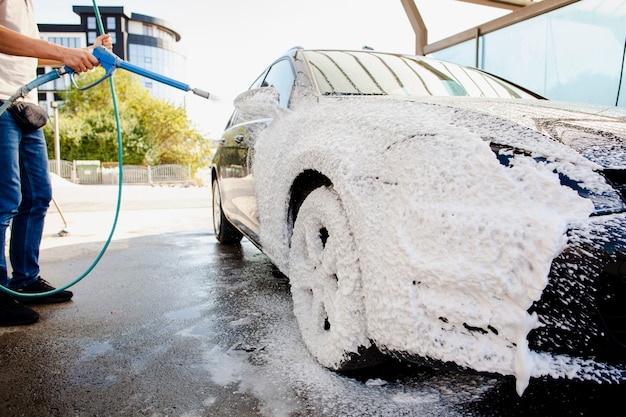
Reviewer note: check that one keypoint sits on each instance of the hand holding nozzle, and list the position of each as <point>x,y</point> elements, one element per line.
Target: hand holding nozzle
<point>82,59</point>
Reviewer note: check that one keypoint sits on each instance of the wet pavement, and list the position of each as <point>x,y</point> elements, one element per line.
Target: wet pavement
<point>170,323</point>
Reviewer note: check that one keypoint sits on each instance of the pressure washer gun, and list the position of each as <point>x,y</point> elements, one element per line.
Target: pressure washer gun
<point>110,62</point>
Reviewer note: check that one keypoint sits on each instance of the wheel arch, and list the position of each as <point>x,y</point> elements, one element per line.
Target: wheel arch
<point>213,173</point>
<point>307,181</point>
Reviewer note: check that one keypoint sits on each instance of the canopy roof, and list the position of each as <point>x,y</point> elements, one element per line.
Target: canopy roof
<point>520,10</point>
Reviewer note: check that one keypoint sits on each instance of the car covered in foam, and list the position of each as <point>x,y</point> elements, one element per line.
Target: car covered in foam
<point>432,212</point>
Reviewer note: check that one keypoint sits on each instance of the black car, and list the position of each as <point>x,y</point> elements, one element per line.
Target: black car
<point>432,212</point>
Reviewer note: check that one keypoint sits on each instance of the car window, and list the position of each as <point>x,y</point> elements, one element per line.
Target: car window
<point>370,73</point>
<point>281,77</point>
<point>235,117</point>
<point>258,81</point>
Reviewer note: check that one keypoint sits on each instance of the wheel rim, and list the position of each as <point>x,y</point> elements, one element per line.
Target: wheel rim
<point>217,208</point>
<point>325,281</point>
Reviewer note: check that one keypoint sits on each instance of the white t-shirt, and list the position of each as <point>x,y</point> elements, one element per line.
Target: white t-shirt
<point>16,71</point>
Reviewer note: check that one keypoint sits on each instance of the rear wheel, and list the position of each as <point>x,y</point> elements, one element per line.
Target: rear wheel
<point>326,287</point>
<point>225,232</point>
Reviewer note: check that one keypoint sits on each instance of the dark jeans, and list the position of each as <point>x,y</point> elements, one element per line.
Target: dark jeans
<point>25,194</point>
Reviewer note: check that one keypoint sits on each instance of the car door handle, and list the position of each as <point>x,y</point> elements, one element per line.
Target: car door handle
<point>238,138</point>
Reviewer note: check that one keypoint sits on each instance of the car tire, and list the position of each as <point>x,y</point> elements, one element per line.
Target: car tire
<point>225,232</point>
<point>326,286</point>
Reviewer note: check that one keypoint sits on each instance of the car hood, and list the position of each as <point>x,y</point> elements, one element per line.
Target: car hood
<point>596,132</point>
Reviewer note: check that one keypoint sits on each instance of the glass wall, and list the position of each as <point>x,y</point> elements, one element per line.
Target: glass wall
<point>575,53</point>
<point>463,53</point>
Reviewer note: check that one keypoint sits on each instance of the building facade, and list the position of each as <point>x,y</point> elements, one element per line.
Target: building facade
<point>144,41</point>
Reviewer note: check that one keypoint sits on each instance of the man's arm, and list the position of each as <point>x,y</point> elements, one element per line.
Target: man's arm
<point>104,40</point>
<point>14,43</point>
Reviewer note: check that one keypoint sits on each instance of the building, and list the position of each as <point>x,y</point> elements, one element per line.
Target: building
<point>569,50</point>
<point>144,41</point>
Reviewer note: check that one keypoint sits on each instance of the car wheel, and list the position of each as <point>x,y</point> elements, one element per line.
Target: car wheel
<point>326,287</point>
<point>225,232</point>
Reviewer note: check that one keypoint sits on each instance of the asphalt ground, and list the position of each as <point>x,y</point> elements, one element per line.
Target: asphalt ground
<point>112,350</point>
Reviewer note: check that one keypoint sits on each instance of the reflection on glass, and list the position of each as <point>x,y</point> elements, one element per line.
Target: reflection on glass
<point>366,73</point>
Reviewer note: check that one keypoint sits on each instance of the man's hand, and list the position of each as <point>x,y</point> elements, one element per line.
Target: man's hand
<point>78,59</point>
<point>82,60</point>
<point>104,40</point>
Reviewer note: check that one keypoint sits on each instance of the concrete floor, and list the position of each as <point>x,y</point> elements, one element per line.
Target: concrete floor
<point>116,349</point>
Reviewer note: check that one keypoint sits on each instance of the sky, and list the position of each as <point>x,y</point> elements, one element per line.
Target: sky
<point>229,43</point>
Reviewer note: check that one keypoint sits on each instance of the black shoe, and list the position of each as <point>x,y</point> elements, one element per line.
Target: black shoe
<point>14,313</point>
<point>39,286</point>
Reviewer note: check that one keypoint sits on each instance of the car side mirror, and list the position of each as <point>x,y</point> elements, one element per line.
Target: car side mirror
<point>259,102</point>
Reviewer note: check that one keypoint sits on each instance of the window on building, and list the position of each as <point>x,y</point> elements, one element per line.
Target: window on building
<point>148,30</point>
<point>91,22</point>
<point>70,42</point>
<point>111,25</point>
<point>164,62</point>
<point>91,37</point>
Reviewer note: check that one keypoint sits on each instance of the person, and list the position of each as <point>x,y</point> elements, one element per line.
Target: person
<point>25,187</point>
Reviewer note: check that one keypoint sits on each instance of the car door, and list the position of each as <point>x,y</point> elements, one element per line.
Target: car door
<point>238,141</point>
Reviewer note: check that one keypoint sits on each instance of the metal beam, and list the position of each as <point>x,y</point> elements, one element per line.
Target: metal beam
<point>419,28</point>
<point>525,13</point>
<point>502,4</point>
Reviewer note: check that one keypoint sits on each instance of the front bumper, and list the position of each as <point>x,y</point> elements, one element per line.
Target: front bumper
<point>583,307</point>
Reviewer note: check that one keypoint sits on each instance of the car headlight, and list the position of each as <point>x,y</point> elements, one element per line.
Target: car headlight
<point>606,188</point>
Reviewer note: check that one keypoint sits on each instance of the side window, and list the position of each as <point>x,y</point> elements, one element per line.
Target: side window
<point>257,82</point>
<point>281,77</point>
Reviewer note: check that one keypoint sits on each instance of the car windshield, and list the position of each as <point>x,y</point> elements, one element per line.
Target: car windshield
<point>372,73</point>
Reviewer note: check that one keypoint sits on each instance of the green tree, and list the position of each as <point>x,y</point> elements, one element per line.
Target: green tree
<point>153,130</point>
